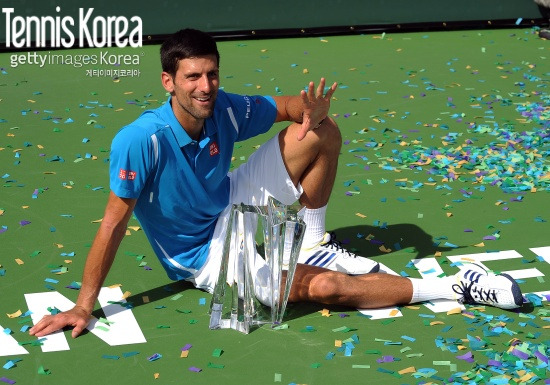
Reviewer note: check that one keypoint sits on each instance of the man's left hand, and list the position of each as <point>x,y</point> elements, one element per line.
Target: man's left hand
<point>316,106</point>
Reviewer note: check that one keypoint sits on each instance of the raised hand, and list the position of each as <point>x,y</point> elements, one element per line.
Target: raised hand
<point>316,106</point>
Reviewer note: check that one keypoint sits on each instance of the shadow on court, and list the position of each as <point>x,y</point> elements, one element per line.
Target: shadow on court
<point>370,241</point>
<point>155,294</point>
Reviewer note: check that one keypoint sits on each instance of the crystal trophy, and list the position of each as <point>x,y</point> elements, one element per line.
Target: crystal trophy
<point>259,258</point>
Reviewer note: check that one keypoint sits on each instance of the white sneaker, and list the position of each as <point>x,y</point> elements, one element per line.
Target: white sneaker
<point>330,254</point>
<point>475,285</point>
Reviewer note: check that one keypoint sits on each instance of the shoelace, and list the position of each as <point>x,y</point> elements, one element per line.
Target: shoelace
<point>465,290</point>
<point>333,243</point>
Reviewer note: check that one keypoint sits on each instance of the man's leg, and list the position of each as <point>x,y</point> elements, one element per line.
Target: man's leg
<point>370,291</point>
<point>313,161</point>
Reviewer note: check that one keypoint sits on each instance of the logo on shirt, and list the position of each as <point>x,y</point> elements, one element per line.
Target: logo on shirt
<point>214,150</point>
<point>247,100</point>
<point>126,174</point>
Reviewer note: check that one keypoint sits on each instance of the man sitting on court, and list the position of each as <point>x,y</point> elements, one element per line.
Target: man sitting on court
<point>171,168</point>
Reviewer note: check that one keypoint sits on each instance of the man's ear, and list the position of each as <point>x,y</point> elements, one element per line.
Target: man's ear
<point>167,81</point>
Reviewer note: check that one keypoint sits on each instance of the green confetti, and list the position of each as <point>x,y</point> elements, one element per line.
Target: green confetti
<point>373,351</point>
<point>41,370</point>
<point>280,327</point>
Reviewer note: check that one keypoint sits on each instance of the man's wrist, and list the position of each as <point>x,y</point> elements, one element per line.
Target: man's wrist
<point>319,124</point>
<point>316,126</point>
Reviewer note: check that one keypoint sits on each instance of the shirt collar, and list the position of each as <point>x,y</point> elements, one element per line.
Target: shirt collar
<point>180,134</point>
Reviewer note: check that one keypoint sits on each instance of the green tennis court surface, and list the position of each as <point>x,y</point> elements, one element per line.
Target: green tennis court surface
<point>445,157</point>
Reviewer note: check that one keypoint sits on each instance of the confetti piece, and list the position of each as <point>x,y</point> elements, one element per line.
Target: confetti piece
<point>373,351</point>
<point>15,314</point>
<point>340,329</point>
<point>384,249</point>
<point>42,370</point>
<point>154,357</point>
<point>456,310</point>
<point>410,369</point>
<point>468,357</point>
<point>325,313</point>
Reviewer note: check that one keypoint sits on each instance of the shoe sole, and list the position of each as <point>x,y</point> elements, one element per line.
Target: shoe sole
<point>375,269</point>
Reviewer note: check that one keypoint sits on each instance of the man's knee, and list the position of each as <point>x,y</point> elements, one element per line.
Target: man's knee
<point>326,286</point>
<point>330,134</point>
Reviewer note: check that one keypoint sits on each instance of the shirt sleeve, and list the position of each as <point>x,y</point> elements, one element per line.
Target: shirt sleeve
<point>131,161</point>
<point>254,115</point>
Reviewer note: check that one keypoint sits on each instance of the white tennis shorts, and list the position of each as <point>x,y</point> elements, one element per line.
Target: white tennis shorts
<point>252,183</point>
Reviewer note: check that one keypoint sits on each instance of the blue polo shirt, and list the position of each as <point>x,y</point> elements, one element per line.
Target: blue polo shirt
<point>181,185</point>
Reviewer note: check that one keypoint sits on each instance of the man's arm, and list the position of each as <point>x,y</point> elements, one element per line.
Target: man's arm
<point>98,263</point>
<point>309,108</point>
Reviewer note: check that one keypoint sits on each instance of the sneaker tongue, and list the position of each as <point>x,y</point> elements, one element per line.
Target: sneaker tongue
<point>326,238</point>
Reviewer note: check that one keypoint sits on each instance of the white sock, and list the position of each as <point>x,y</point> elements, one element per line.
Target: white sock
<point>315,226</point>
<point>437,288</point>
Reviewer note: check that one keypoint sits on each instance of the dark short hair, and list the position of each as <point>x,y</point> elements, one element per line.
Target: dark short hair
<point>185,44</point>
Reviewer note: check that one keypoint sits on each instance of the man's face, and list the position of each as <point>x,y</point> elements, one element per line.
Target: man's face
<point>194,89</point>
